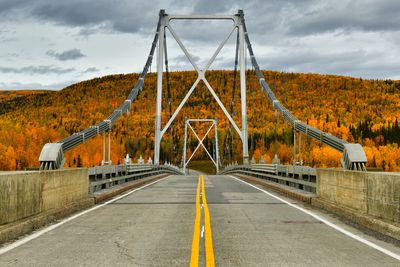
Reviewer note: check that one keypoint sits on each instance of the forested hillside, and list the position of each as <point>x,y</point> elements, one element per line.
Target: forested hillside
<point>357,110</point>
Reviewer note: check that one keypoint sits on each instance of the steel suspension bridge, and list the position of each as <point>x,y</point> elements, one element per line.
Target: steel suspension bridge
<point>157,214</point>
<point>52,156</point>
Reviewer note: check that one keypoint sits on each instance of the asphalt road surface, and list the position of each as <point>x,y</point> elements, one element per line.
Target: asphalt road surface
<point>154,226</point>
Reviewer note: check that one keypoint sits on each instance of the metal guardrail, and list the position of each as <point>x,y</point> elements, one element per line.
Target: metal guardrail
<point>103,177</point>
<point>299,177</point>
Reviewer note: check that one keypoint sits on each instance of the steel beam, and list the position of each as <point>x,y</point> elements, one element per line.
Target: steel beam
<point>160,67</point>
<point>242,65</point>
<point>205,17</point>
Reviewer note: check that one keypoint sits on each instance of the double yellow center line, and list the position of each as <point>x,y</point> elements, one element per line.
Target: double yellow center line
<point>194,259</point>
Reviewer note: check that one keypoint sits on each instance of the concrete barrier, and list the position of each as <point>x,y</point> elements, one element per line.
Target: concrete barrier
<point>28,200</point>
<point>383,196</point>
<point>369,198</point>
<point>19,196</point>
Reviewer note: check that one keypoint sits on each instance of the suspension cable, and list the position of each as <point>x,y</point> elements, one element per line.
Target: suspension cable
<point>169,97</point>
<point>81,137</point>
<point>140,114</point>
<point>315,133</point>
<point>253,108</point>
<point>229,136</point>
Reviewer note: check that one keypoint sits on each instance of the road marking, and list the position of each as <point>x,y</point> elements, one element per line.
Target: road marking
<point>206,228</point>
<point>54,226</point>
<point>334,226</point>
<point>210,261</point>
<point>194,258</point>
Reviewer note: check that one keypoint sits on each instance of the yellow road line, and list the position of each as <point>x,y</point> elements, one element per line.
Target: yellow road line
<point>194,259</point>
<point>207,224</point>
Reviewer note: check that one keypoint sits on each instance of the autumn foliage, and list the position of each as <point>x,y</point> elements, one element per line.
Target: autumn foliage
<point>356,110</point>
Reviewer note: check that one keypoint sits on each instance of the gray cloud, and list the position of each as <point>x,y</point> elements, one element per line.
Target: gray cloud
<point>13,54</point>
<point>349,15</point>
<point>44,69</point>
<point>119,16</point>
<point>7,34</point>
<point>7,39</point>
<point>93,29</point>
<point>7,7</point>
<point>301,17</point>
<point>71,54</point>
<point>212,6</point>
<point>91,69</point>
<point>352,37</point>
<point>358,63</point>
<point>182,62</point>
<point>33,86</point>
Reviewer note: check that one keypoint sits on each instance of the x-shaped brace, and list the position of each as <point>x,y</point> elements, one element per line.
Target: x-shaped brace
<point>201,77</point>
<point>200,143</point>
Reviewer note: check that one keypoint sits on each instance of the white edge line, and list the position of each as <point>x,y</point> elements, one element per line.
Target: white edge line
<point>334,226</point>
<point>54,226</point>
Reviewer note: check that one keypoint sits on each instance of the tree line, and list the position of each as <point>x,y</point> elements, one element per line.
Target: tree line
<point>354,109</point>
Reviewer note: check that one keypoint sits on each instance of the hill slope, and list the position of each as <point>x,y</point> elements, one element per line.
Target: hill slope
<point>354,109</point>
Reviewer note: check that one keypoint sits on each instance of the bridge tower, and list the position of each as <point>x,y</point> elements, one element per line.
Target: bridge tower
<point>161,52</point>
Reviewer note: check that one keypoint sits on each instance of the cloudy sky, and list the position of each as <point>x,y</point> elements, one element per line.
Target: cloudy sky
<point>48,44</point>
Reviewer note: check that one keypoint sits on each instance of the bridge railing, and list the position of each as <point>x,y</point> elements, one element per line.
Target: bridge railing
<point>107,176</point>
<point>299,177</point>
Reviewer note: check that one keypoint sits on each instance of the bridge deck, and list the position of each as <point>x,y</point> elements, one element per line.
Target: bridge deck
<point>154,227</point>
